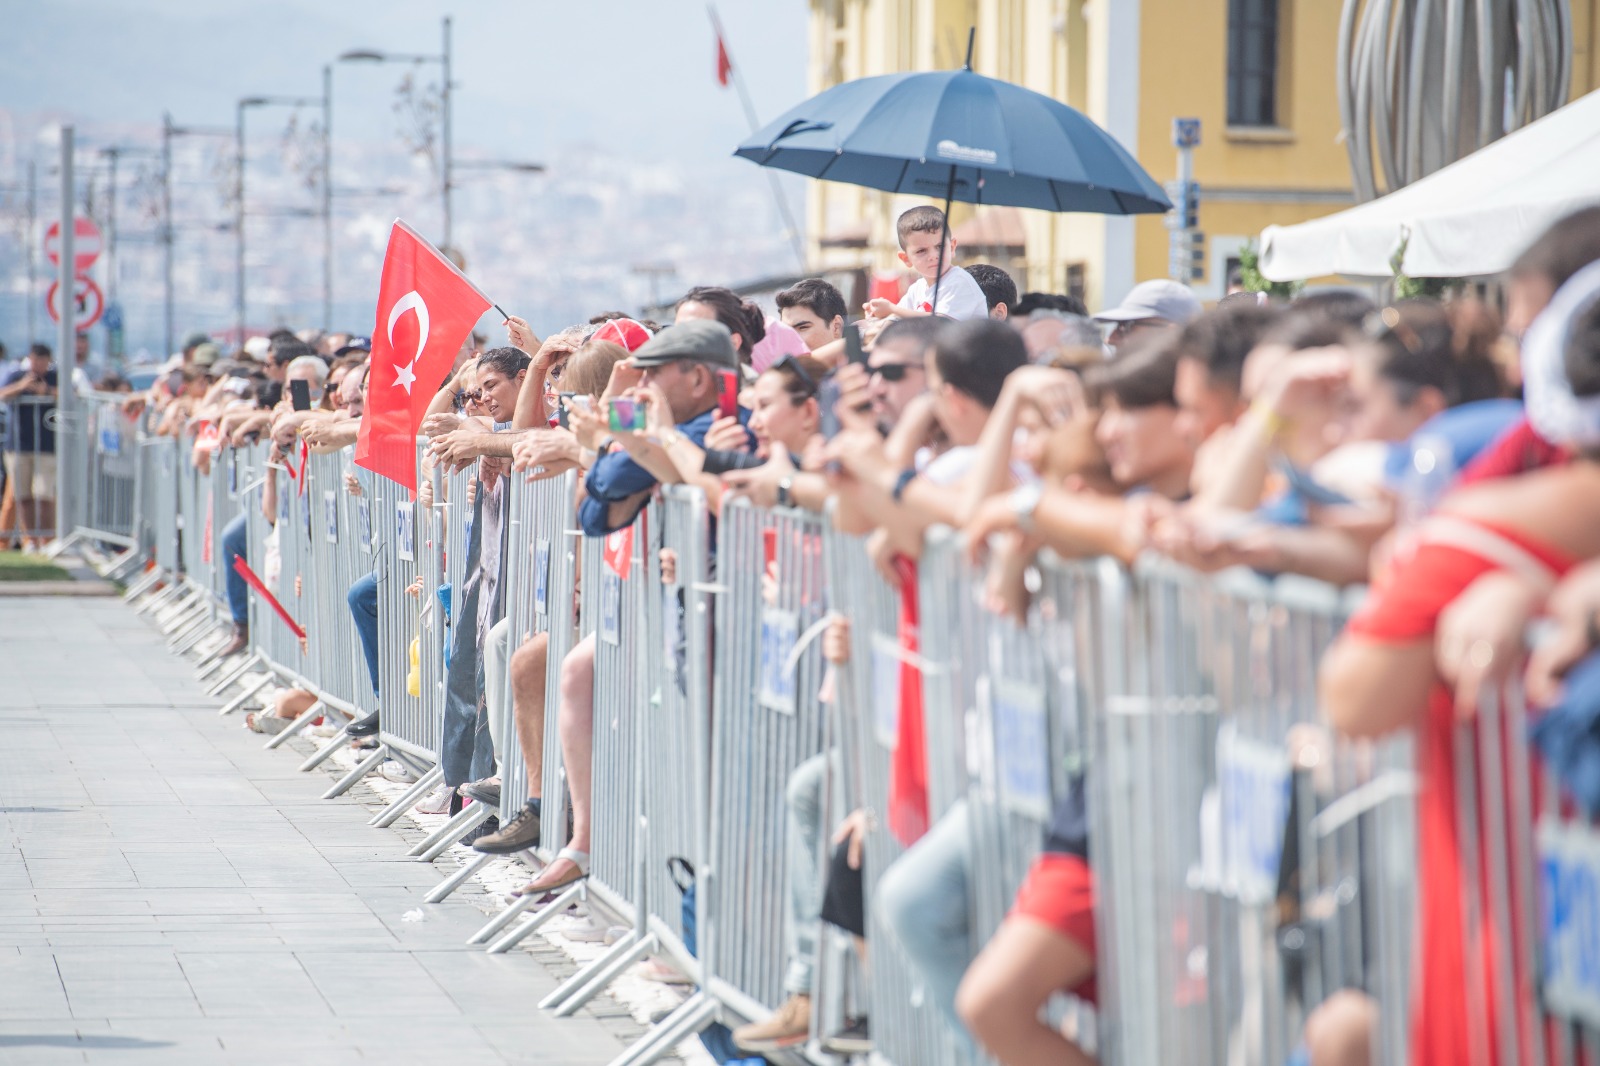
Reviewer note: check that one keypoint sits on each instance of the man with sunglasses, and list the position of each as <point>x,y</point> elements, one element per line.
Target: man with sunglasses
<point>896,365</point>
<point>1158,304</point>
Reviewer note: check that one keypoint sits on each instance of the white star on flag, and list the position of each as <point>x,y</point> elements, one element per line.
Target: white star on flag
<point>403,376</point>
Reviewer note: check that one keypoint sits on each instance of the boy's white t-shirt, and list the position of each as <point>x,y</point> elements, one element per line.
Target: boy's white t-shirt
<point>959,296</point>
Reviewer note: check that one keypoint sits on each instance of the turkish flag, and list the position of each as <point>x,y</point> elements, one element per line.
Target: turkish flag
<point>724,64</point>
<point>426,308</point>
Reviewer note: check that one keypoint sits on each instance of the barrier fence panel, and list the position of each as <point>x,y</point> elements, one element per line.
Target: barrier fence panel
<point>555,546</point>
<point>538,515</point>
<point>904,1029</point>
<point>108,470</point>
<point>767,721</point>
<point>408,625</point>
<point>675,738</point>
<point>614,600</point>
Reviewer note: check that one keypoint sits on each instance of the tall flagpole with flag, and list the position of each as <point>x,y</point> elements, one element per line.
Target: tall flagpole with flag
<point>726,71</point>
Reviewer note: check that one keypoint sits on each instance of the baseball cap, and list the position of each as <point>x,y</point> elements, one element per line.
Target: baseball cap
<point>624,331</point>
<point>205,354</point>
<point>697,340</point>
<point>1159,298</point>
<point>355,344</point>
<point>195,339</point>
<point>257,348</point>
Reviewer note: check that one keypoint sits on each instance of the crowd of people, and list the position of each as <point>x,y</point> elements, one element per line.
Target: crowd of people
<point>1441,452</point>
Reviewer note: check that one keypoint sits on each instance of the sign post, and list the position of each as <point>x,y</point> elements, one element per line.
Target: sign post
<point>1186,244</point>
<point>66,259</point>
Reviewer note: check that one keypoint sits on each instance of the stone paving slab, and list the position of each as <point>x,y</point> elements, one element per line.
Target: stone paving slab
<point>170,893</point>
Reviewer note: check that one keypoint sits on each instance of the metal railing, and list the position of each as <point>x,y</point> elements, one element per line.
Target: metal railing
<point>1249,864</point>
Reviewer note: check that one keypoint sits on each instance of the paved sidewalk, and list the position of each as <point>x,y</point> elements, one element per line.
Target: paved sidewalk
<point>171,893</point>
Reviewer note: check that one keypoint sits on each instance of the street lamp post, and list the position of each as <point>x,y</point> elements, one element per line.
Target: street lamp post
<point>370,55</point>
<point>327,197</point>
<point>168,132</point>
<point>239,211</point>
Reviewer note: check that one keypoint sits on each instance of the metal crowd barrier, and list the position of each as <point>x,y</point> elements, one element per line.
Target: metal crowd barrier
<point>1248,864</point>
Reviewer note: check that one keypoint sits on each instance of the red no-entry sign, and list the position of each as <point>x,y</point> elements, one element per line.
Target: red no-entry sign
<point>85,243</point>
<point>87,303</point>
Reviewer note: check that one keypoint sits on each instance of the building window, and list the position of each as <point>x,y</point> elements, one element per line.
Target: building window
<point>1252,62</point>
<point>1077,281</point>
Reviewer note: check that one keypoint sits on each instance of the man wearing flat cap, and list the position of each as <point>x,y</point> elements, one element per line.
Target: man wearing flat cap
<point>685,362</point>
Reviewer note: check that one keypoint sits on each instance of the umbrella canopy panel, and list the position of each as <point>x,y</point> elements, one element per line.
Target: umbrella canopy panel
<point>962,136</point>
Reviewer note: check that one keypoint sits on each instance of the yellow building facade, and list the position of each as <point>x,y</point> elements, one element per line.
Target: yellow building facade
<point>1260,75</point>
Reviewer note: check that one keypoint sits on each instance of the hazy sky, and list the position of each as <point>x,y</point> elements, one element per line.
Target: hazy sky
<point>530,75</point>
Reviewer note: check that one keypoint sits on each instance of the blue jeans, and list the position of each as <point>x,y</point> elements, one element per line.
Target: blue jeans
<point>233,547</point>
<point>805,801</point>
<point>363,600</point>
<point>923,901</point>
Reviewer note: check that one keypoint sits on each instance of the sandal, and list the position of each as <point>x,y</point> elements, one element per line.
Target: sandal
<point>580,863</point>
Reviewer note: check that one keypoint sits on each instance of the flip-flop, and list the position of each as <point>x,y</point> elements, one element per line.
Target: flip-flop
<point>580,863</point>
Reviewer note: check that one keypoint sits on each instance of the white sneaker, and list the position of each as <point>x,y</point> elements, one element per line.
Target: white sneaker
<point>398,772</point>
<point>328,728</point>
<point>585,930</point>
<point>437,801</point>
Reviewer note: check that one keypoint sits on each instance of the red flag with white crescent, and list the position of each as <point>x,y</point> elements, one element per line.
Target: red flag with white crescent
<point>426,308</point>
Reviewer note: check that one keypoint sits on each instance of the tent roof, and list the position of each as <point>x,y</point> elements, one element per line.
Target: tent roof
<point>1470,219</point>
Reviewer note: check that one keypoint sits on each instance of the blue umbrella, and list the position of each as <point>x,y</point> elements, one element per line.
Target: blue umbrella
<point>960,135</point>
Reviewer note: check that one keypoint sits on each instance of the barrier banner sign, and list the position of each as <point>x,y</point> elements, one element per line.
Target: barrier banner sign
<point>780,630</point>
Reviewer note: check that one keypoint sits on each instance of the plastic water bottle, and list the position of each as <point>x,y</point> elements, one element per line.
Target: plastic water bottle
<point>1430,472</point>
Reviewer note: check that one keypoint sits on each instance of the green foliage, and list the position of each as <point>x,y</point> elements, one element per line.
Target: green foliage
<point>1250,275</point>
<point>1407,287</point>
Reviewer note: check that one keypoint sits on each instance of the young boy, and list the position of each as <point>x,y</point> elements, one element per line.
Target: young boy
<point>920,230</point>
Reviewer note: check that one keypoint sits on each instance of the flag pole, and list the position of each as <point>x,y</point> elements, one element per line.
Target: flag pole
<point>755,124</point>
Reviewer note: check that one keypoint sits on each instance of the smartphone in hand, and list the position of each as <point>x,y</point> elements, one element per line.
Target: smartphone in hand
<point>300,395</point>
<point>854,350</point>
<point>728,394</point>
<point>626,415</point>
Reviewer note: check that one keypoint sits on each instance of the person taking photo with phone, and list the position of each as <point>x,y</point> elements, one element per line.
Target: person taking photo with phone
<point>689,366</point>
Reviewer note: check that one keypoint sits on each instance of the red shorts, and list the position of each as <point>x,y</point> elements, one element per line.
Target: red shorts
<point>1059,893</point>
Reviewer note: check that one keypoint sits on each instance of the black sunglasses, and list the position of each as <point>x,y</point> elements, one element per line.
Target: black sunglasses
<point>892,372</point>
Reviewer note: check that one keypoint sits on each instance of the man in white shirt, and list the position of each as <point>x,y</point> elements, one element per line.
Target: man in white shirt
<point>924,247</point>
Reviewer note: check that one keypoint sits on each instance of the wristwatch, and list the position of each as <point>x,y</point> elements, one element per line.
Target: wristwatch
<point>786,492</point>
<point>907,476</point>
<point>1024,501</point>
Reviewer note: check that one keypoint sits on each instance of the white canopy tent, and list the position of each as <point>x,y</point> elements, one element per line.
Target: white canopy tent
<point>1468,220</point>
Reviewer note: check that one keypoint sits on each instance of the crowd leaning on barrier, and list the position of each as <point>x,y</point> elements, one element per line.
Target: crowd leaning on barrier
<point>937,701</point>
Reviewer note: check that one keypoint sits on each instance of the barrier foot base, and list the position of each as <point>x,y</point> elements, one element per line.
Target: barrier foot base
<point>504,918</point>
<point>437,842</point>
<point>360,770</point>
<point>457,879</point>
<point>196,636</point>
<point>295,727</point>
<point>243,697</point>
<point>581,987</point>
<point>178,625</point>
<point>140,585</point>
<point>156,600</point>
<point>688,1018</point>
<point>324,753</point>
<point>408,799</point>
<point>115,567</point>
<point>238,671</point>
